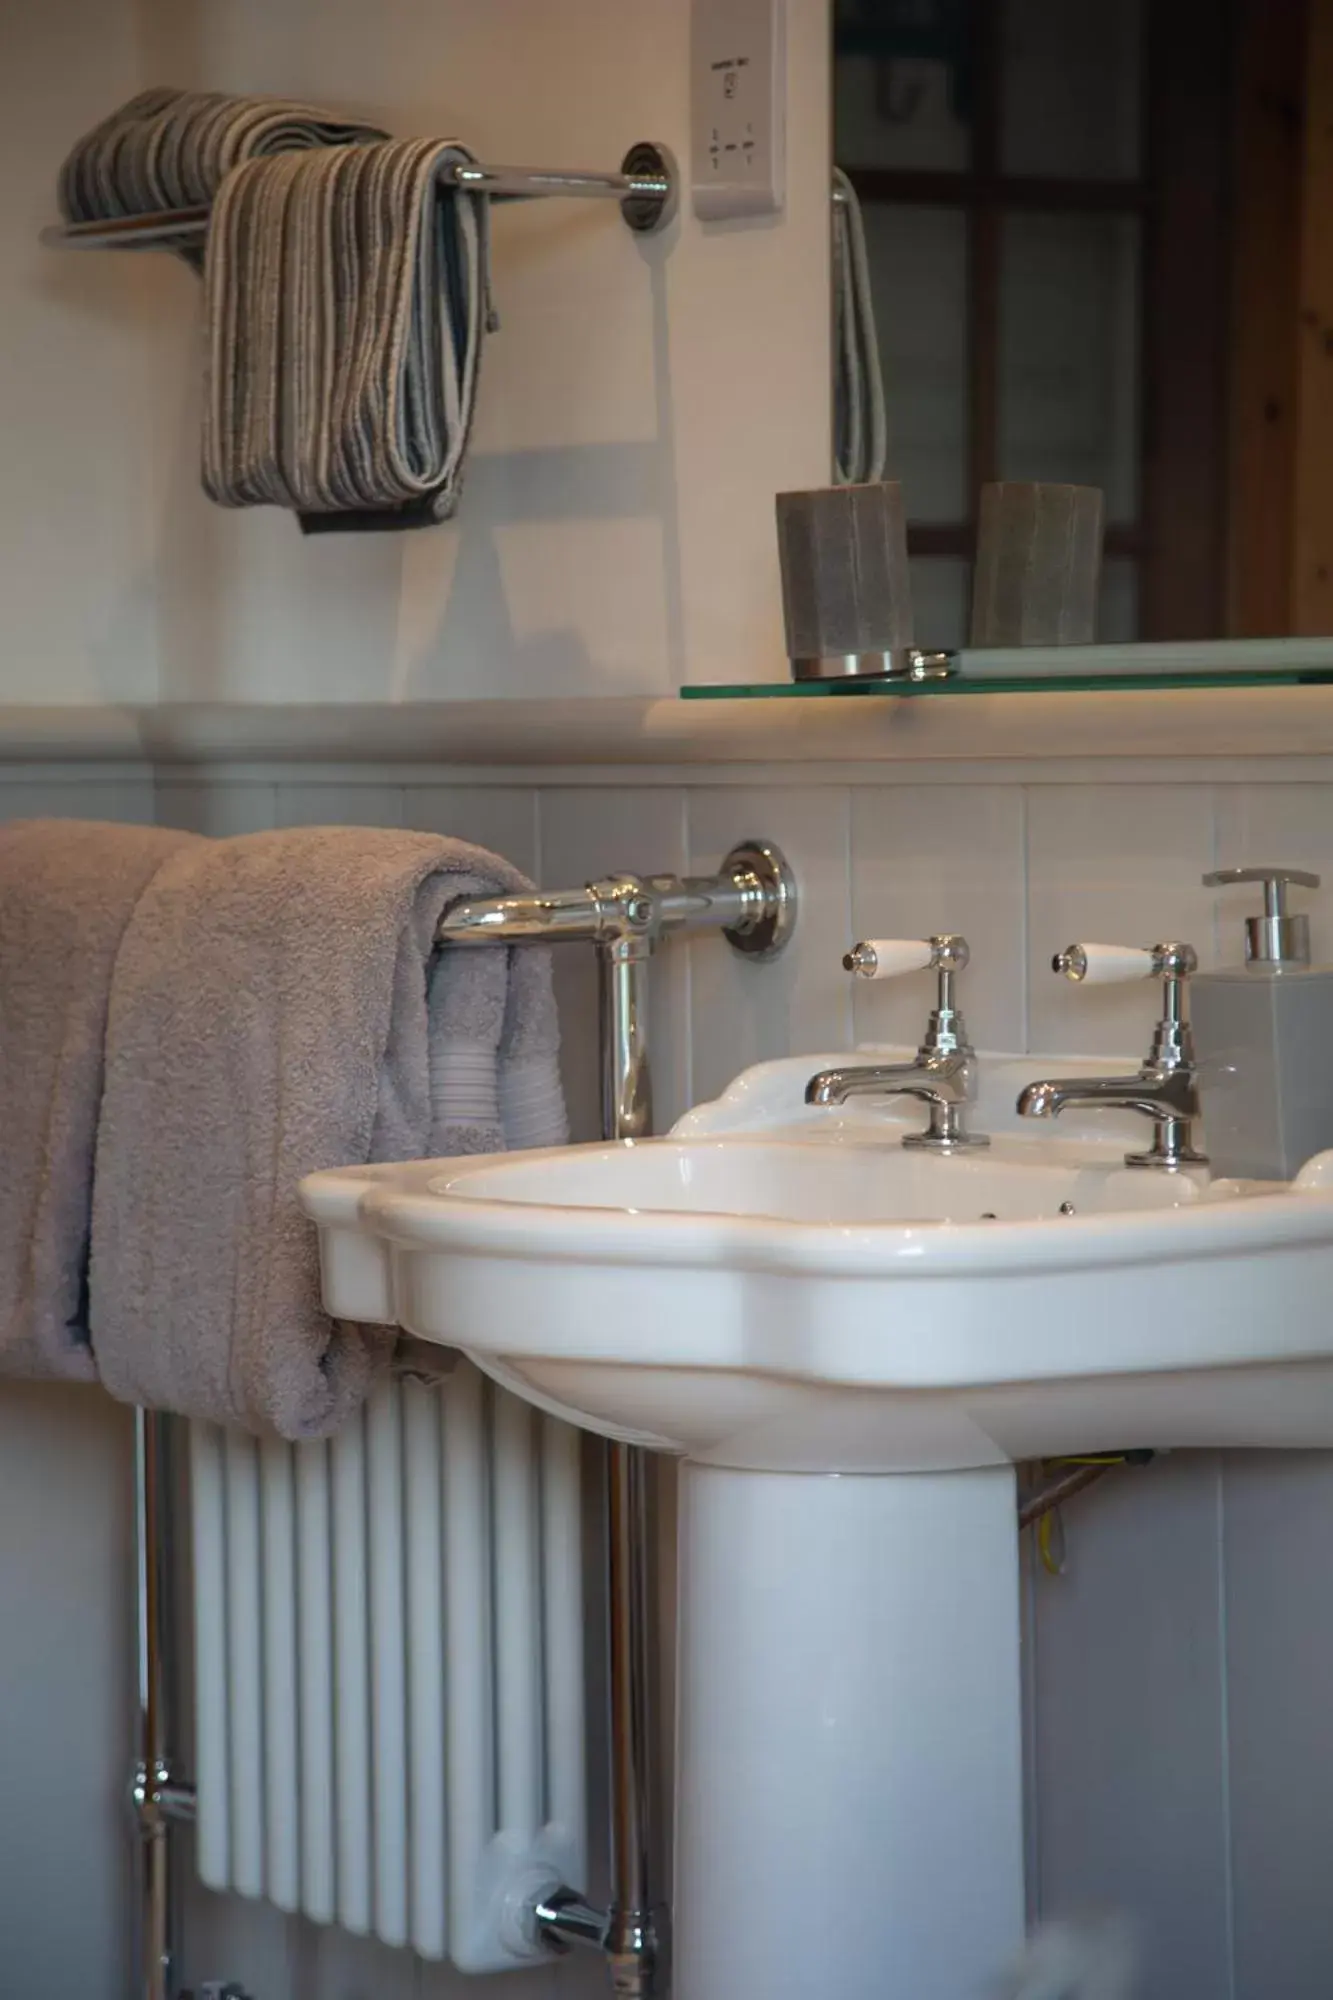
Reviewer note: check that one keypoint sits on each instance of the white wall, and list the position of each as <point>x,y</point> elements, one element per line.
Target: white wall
<point>78,554</point>
<point>642,403</point>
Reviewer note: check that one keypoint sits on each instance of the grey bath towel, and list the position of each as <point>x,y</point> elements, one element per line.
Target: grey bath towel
<point>67,890</point>
<point>273,1010</point>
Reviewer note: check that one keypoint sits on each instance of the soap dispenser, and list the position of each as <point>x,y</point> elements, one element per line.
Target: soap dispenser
<point>1263,1034</point>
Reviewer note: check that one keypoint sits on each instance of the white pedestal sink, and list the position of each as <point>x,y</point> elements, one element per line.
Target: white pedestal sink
<point>851,1345</point>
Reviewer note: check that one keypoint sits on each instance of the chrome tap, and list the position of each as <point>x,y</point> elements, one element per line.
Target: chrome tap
<point>1166,1089</point>
<point>944,1074</point>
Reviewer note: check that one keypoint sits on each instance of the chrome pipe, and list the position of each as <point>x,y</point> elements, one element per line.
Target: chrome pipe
<point>636,1931</point>
<point>752,901</point>
<point>177,1802</point>
<point>635,1940</point>
<point>160,1798</point>
<point>531,183</point>
<point>563,916</point>
<point>164,230</point>
<point>152,1771</point>
<point>627,1084</point>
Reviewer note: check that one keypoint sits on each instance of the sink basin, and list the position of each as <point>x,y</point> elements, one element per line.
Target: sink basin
<point>802,1293</point>
<point>818,1185</point>
<point>850,1344</point>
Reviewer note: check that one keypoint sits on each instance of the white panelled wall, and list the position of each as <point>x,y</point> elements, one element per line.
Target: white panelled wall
<point>1180,1747</point>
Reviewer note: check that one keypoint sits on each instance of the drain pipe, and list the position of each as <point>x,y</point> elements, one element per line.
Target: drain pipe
<point>752,901</point>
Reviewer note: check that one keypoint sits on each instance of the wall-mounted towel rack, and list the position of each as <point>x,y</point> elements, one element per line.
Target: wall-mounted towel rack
<point>645,186</point>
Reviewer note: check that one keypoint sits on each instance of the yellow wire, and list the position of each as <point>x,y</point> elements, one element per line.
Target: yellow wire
<point>1050,1562</point>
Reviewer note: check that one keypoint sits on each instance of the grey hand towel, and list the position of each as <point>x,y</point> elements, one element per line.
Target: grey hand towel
<point>67,890</point>
<point>271,1013</point>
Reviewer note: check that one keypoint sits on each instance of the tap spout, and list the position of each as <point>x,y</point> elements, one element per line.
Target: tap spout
<point>946,1079</point>
<point>1169,1093</point>
<point>946,1082</point>
<point>1169,1096</point>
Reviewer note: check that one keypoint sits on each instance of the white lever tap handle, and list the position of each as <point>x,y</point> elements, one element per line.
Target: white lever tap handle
<point>886,958</point>
<point>1105,964</point>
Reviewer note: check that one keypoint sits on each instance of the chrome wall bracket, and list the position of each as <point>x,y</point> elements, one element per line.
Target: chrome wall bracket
<point>752,900</point>
<point>760,870</point>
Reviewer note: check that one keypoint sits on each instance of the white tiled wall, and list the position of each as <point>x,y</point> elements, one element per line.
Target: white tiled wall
<point>1021,866</point>
<point>1180,1745</point>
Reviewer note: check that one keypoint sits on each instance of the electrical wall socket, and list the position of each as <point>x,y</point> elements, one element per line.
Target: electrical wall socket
<point>738,96</point>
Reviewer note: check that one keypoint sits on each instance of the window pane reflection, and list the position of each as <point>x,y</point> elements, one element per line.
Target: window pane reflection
<point>941,594</point>
<point>1069,353</point>
<point>1071,91</point>
<point>918,266</point>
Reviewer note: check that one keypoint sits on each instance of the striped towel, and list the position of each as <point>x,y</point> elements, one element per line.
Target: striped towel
<point>346,297</point>
<point>174,148</point>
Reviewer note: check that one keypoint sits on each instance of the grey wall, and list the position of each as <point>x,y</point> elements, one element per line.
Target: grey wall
<point>66,1579</point>
<point>66,1695</point>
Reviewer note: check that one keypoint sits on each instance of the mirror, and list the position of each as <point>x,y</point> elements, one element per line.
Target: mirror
<point>1100,252</point>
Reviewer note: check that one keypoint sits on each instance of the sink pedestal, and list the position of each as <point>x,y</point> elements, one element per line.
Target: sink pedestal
<point>849,1789</point>
<point>769,1291</point>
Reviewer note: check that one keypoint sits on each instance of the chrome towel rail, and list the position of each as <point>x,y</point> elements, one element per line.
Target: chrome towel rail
<point>646,186</point>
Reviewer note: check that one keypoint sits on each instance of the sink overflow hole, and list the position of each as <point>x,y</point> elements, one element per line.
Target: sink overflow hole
<point>1067,1208</point>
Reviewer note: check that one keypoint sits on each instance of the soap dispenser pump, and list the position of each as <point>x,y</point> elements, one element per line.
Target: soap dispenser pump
<point>1263,1034</point>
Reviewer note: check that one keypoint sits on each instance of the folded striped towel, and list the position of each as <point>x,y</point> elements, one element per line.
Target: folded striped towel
<point>346,298</point>
<point>174,148</point>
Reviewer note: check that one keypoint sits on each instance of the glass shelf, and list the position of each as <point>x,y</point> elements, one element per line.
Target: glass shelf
<point>1101,669</point>
<point>1008,684</point>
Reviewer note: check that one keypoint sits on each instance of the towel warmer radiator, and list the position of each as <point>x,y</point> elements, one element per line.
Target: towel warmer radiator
<point>389,1686</point>
<point>752,901</point>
